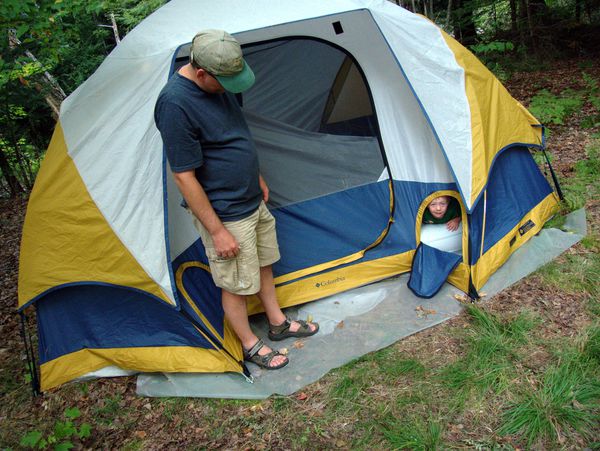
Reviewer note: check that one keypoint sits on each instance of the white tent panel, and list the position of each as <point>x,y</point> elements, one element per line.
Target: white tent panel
<point>437,80</point>
<point>158,31</point>
<point>104,159</point>
<point>182,233</point>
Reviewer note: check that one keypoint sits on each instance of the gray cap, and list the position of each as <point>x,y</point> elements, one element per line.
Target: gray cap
<point>218,53</point>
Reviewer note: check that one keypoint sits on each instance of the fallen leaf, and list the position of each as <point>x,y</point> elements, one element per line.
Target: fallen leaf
<point>140,434</point>
<point>298,344</point>
<point>421,312</point>
<point>284,351</point>
<point>340,325</point>
<point>309,319</point>
<point>460,297</point>
<point>302,396</point>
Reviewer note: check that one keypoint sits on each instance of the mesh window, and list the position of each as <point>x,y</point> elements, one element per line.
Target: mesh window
<point>312,120</point>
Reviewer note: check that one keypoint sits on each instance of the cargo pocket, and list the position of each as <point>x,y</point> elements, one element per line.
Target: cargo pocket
<point>227,272</point>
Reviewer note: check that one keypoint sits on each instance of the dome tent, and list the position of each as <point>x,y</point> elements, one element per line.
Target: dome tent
<point>362,113</point>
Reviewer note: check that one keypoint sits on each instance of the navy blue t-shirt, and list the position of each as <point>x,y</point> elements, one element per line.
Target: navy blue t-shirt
<point>208,133</point>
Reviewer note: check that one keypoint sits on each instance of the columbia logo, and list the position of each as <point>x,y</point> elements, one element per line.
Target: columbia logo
<point>329,282</point>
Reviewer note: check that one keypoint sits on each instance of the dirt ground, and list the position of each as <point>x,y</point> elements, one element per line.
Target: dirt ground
<point>562,312</point>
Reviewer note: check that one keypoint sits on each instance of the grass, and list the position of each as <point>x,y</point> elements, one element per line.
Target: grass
<point>110,410</point>
<point>414,433</point>
<point>493,347</point>
<point>584,184</point>
<point>567,400</point>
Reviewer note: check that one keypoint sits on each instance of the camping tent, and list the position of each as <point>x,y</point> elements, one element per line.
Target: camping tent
<point>362,113</point>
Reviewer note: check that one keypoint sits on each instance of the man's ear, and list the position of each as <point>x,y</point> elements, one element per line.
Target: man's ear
<point>200,73</point>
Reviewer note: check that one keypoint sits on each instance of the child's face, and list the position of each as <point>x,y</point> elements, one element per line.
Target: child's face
<point>438,207</point>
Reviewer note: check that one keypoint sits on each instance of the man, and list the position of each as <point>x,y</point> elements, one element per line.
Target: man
<point>215,166</point>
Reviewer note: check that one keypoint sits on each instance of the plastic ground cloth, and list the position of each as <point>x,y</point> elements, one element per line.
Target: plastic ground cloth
<point>358,322</point>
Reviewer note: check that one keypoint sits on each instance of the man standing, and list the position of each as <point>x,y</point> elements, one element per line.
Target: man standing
<point>215,166</point>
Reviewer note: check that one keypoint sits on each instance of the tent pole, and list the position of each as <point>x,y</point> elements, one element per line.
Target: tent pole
<point>31,362</point>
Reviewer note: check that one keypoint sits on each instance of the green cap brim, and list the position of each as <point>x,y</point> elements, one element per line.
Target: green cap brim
<point>239,82</point>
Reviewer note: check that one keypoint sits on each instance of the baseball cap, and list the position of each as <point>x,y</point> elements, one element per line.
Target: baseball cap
<point>218,53</point>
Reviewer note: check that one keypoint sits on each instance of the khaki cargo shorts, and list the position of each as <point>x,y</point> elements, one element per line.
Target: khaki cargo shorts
<point>258,247</point>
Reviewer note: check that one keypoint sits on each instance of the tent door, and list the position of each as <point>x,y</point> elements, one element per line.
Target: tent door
<point>430,269</point>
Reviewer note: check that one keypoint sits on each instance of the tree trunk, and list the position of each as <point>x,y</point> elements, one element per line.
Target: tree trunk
<point>464,26</point>
<point>115,29</point>
<point>13,183</point>
<point>513,17</point>
<point>523,22</point>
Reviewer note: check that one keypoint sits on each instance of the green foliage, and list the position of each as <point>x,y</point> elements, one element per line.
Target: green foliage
<point>492,54</point>
<point>567,399</point>
<point>68,41</point>
<point>492,47</point>
<point>554,109</point>
<point>63,433</point>
<point>129,13</point>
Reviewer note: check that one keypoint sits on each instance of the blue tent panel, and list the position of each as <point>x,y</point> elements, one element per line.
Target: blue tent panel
<point>431,267</point>
<point>515,187</point>
<point>93,316</point>
<point>330,227</point>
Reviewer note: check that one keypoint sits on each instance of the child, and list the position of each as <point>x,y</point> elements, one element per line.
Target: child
<point>443,210</point>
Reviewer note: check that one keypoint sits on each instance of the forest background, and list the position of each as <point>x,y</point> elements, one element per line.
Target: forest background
<point>442,388</point>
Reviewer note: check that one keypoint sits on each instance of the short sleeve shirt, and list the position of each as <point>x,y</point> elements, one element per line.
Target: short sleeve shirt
<point>207,133</point>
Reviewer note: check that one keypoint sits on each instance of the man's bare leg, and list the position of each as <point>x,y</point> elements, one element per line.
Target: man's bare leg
<point>236,313</point>
<point>268,298</point>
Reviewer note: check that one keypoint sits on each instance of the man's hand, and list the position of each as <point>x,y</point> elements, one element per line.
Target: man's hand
<point>452,225</point>
<point>226,246</point>
<point>264,188</point>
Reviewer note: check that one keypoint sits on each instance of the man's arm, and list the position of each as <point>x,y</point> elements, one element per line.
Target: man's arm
<point>264,188</point>
<point>193,193</point>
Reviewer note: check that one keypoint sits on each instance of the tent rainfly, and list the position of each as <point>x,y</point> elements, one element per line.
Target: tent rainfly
<point>362,113</point>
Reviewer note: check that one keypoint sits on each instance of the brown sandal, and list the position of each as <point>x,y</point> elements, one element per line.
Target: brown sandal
<point>263,361</point>
<point>282,331</point>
